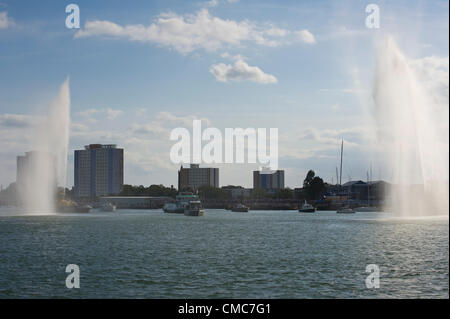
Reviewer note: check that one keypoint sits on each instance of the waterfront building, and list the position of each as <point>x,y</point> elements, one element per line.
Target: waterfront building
<point>238,192</point>
<point>98,170</point>
<point>268,180</point>
<point>196,176</point>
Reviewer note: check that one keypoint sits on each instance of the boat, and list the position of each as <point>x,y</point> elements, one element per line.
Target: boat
<point>240,208</point>
<point>68,206</point>
<point>173,208</point>
<point>194,208</point>
<point>108,207</point>
<point>83,209</point>
<point>345,210</point>
<point>181,202</point>
<point>307,208</point>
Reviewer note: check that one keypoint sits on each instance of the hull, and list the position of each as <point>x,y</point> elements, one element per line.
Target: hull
<point>72,209</point>
<point>240,209</point>
<point>307,210</point>
<point>190,212</point>
<point>174,211</point>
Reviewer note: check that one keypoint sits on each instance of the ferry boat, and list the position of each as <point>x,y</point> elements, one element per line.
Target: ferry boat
<point>194,208</point>
<point>240,208</point>
<point>181,202</point>
<point>307,208</point>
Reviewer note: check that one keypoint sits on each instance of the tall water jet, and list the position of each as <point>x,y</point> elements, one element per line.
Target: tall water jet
<point>413,134</point>
<point>46,167</point>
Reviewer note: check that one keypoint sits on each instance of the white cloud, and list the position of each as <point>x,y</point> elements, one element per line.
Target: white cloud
<point>93,115</point>
<point>276,32</point>
<point>433,73</point>
<point>241,71</point>
<point>112,114</point>
<point>18,120</point>
<point>186,33</point>
<point>305,36</point>
<point>5,21</point>
<point>211,3</point>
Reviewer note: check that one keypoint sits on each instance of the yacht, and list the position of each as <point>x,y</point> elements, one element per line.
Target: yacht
<point>194,208</point>
<point>307,208</point>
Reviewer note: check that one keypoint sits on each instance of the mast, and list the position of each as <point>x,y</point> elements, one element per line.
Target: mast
<point>342,152</point>
<point>337,175</point>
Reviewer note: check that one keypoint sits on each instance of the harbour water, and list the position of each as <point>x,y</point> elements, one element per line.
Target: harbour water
<point>260,254</point>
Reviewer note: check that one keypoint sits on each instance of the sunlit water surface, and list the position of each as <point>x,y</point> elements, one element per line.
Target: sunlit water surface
<point>261,254</point>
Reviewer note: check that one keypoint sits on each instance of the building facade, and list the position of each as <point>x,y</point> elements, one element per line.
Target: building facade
<point>268,181</point>
<point>98,171</point>
<point>196,176</point>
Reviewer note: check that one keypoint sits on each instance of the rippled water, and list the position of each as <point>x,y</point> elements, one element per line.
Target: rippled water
<point>262,254</point>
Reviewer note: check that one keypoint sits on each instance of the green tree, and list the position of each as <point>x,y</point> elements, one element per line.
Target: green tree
<point>309,177</point>
<point>258,193</point>
<point>284,193</point>
<point>316,188</point>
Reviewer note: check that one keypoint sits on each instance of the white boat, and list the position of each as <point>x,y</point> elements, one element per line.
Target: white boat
<point>108,207</point>
<point>307,208</point>
<point>194,209</point>
<point>345,210</point>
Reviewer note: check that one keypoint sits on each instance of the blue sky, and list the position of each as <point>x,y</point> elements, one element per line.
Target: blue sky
<point>130,86</point>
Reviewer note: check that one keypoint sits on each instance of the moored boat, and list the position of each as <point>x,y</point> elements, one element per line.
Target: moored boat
<point>307,208</point>
<point>194,208</point>
<point>181,202</point>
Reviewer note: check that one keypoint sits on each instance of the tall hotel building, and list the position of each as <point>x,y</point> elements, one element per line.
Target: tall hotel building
<point>98,170</point>
<point>268,181</point>
<point>194,177</point>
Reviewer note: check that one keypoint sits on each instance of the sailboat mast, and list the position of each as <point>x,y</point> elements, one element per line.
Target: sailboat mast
<point>342,152</point>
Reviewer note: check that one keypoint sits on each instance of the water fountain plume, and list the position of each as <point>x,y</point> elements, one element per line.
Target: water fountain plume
<point>410,131</point>
<point>46,167</point>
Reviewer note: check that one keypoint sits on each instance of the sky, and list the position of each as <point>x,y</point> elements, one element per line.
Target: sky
<point>138,69</point>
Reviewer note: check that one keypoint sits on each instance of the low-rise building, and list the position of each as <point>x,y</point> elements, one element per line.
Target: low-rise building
<point>195,176</point>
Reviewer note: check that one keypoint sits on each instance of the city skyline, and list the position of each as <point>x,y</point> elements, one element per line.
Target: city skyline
<point>304,68</point>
